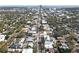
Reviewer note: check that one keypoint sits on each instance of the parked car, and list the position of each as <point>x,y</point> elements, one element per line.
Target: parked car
<point>63,48</point>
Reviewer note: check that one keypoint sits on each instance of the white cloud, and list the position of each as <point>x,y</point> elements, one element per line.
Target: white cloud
<point>39,2</point>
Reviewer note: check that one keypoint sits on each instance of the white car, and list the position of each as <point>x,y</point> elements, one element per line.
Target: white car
<point>48,44</point>
<point>30,44</point>
<point>64,46</point>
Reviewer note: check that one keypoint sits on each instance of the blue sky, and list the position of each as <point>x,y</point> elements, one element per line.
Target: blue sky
<point>39,2</point>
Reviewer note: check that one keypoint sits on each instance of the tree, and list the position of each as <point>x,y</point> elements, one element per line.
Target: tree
<point>3,47</point>
<point>1,26</point>
<point>52,20</point>
<point>3,50</point>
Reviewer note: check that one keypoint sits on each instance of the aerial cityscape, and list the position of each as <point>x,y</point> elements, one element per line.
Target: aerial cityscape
<point>39,29</point>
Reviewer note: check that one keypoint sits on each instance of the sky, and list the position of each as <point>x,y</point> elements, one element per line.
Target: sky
<point>39,2</point>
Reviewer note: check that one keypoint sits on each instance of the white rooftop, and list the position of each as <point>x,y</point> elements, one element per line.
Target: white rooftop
<point>29,50</point>
<point>29,39</point>
<point>44,21</point>
<point>2,37</point>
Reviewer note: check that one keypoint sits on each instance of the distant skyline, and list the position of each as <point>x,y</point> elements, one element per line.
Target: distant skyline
<point>38,2</point>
